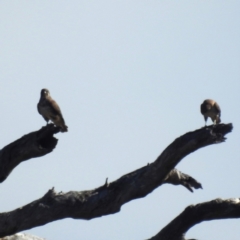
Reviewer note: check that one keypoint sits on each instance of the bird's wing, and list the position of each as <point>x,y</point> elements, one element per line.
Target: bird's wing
<point>54,107</point>
<point>217,108</point>
<point>203,108</point>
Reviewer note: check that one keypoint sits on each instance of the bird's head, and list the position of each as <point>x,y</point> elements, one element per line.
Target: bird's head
<point>45,92</point>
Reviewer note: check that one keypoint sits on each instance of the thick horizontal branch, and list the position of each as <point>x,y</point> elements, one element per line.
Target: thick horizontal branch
<point>109,198</point>
<point>194,214</point>
<point>35,144</point>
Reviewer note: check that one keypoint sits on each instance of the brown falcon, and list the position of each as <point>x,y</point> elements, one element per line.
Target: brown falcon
<point>50,110</point>
<point>210,108</point>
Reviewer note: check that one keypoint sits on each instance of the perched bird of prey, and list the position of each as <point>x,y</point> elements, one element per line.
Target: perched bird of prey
<point>210,108</point>
<point>50,110</point>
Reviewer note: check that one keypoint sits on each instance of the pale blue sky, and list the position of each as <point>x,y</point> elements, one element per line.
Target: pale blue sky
<point>129,77</point>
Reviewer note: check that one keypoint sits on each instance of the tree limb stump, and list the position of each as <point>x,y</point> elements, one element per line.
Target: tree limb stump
<point>32,145</point>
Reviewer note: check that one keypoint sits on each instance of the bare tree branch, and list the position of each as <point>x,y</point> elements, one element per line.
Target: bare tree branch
<point>176,177</point>
<point>109,198</point>
<point>35,144</point>
<point>194,214</point>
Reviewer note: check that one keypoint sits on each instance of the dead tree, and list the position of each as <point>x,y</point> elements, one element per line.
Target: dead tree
<point>108,198</point>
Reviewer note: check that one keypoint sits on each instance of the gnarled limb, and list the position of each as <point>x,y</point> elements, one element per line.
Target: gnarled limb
<point>194,214</point>
<point>176,177</point>
<point>109,198</point>
<point>35,144</point>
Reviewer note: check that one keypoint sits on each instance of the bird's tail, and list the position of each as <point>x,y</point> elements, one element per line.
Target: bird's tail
<point>218,119</point>
<point>64,128</point>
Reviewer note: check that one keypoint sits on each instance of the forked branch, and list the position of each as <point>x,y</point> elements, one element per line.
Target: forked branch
<point>109,198</point>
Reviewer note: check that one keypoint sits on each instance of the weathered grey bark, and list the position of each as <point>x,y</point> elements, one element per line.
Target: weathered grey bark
<point>176,177</point>
<point>109,198</point>
<point>22,236</point>
<point>194,214</point>
<point>35,144</point>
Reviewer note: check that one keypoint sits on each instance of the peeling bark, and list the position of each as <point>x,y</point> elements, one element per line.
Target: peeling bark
<point>109,198</point>
<point>35,144</point>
